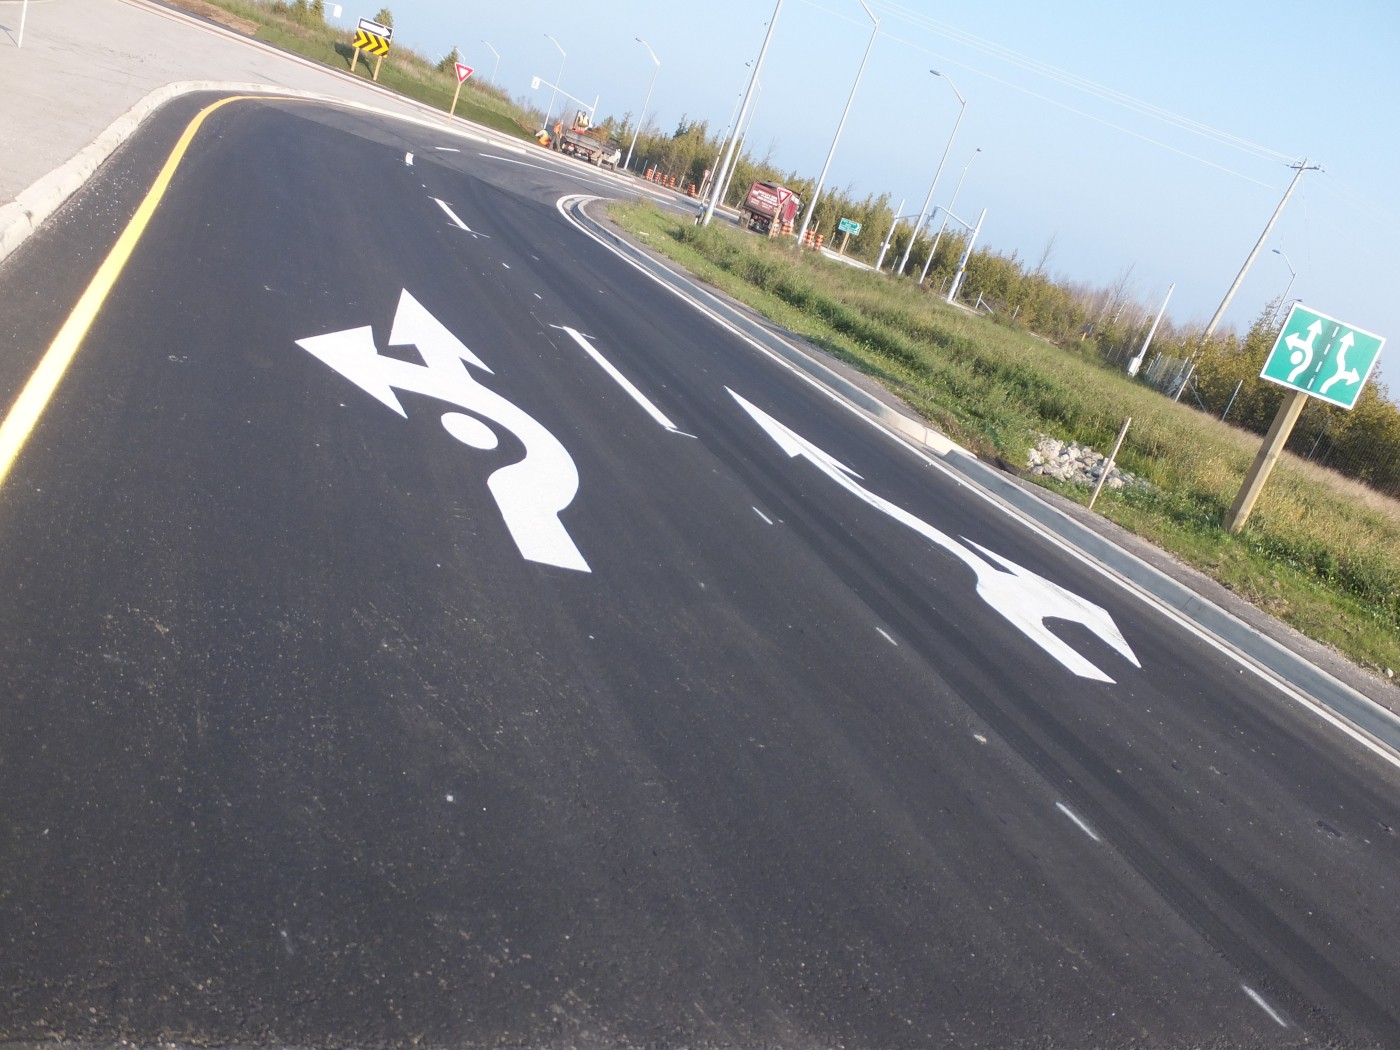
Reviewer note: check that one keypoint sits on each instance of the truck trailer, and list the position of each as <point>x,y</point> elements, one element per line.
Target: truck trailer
<point>579,140</point>
<point>768,208</point>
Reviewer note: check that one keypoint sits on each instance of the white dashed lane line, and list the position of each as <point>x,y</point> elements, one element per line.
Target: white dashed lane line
<point>452,215</point>
<point>1078,820</point>
<point>1263,1004</point>
<point>621,380</point>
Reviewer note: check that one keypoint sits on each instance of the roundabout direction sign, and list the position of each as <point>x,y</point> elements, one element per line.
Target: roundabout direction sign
<point>1322,356</point>
<point>1314,356</point>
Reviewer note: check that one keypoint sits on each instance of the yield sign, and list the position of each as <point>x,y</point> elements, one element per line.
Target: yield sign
<point>463,72</point>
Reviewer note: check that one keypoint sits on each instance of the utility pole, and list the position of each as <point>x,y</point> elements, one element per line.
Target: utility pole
<point>1298,168</point>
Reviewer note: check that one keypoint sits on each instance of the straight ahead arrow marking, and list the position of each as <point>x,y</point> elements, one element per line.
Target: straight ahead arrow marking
<point>1024,599</point>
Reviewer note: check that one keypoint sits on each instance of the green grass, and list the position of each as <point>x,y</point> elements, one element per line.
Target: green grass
<point>403,71</point>
<point>1320,552</point>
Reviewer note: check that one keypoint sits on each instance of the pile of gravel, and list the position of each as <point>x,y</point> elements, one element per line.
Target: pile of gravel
<point>1078,464</point>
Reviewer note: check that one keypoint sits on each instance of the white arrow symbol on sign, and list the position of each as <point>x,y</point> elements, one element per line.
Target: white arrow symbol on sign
<point>1302,349</point>
<point>1023,598</point>
<point>1350,375</point>
<point>530,493</point>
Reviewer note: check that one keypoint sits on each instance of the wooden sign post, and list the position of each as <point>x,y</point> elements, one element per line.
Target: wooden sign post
<point>462,73</point>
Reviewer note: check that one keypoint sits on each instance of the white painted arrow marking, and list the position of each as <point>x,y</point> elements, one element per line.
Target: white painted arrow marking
<point>530,493</point>
<point>1349,375</point>
<point>1302,350</point>
<point>1023,598</point>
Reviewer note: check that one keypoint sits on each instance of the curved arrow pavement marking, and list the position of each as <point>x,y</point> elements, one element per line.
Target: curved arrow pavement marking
<point>530,493</point>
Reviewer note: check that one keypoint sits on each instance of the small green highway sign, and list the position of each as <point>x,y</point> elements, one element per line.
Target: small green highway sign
<point>1322,357</point>
<point>848,226</point>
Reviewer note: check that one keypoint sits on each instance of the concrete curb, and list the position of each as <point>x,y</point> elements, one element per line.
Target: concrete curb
<point>1363,713</point>
<point>33,206</point>
<point>1370,719</point>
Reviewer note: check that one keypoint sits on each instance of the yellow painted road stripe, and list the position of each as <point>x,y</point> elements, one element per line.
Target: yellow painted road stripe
<point>24,414</point>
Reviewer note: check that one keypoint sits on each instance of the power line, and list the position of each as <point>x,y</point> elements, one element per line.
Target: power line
<point>899,13</point>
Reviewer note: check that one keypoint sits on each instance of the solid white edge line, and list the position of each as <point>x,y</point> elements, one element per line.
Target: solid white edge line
<point>620,379</point>
<point>1078,821</point>
<point>653,194</point>
<point>1143,595</point>
<point>452,215</point>
<point>1263,1005</point>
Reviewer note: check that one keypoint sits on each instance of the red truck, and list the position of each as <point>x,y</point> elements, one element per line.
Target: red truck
<point>768,207</point>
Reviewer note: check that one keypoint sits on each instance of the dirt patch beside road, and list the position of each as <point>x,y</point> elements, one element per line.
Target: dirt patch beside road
<point>203,9</point>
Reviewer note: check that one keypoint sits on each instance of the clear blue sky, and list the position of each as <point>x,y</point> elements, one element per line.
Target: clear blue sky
<point>1152,137</point>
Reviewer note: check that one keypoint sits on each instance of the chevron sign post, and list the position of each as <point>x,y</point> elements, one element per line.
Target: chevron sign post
<point>373,39</point>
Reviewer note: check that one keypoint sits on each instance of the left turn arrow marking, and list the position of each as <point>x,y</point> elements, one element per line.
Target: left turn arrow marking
<point>531,493</point>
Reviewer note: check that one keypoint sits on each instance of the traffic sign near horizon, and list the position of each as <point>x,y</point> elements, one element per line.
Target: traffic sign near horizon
<point>373,38</point>
<point>463,72</point>
<point>848,226</point>
<point>1322,357</point>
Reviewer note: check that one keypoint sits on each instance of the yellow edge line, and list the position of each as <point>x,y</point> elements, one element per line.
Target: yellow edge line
<point>24,414</point>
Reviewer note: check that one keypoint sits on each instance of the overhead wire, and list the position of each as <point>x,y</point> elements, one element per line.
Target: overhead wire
<point>899,13</point>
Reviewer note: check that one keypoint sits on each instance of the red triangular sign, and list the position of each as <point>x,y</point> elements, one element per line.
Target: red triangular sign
<point>463,72</point>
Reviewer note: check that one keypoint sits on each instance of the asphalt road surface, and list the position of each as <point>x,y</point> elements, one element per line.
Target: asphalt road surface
<point>419,626</point>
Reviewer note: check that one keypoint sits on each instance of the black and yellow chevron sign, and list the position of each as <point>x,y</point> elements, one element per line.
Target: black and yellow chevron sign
<point>370,43</point>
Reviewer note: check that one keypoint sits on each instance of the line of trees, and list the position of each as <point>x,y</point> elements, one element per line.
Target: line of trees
<point>1224,370</point>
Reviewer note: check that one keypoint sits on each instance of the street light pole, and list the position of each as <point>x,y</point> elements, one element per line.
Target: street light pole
<point>1135,365</point>
<point>889,236</point>
<point>946,212</point>
<point>645,103</point>
<point>904,261</point>
<point>821,179</point>
<point>723,139</point>
<point>497,67</point>
<point>1292,273</point>
<point>728,159</point>
<point>740,134</point>
<point>966,255</point>
<point>558,79</point>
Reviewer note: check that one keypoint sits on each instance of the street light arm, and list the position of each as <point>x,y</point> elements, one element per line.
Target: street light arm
<point>497,68</point>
